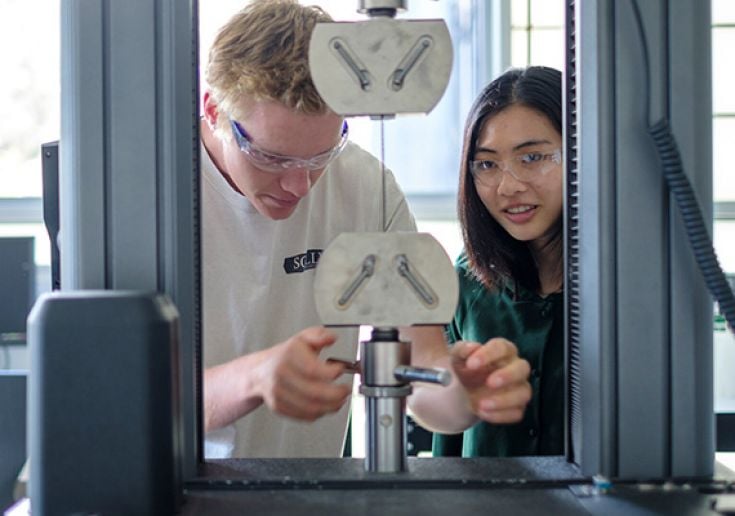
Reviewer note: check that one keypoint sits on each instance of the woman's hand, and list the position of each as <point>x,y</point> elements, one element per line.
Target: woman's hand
<point>495,378</point>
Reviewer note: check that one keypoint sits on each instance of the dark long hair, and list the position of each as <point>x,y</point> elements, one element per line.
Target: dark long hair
<point>493,254</point>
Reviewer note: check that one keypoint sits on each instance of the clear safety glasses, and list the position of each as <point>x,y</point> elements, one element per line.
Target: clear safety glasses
<point>271,162</point>
<point>525,167</point>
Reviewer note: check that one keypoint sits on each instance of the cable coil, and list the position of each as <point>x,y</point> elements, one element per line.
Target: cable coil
<point>696,230</point>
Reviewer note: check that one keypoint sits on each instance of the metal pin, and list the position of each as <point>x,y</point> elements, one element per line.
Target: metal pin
<point>400,73</point>
<point>350,367</point>
<point>368,267</point>
<point>420,374</point>
<point>352,63</point>
<point>405,271</point>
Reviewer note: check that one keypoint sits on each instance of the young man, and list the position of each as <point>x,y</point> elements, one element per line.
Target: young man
<point>280,181</point>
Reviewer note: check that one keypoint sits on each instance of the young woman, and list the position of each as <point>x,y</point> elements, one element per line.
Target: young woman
<point>511,269</point>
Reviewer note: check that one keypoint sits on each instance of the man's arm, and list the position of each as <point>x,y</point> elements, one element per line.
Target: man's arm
<point>289,378</point>
<point>490,382</point>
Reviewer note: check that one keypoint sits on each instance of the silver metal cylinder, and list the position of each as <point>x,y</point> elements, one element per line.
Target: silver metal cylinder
<point>382,7</point>
<point>409,374</point>
<point>386,434</point>
<point>380,359</point>
<point>385,400</point>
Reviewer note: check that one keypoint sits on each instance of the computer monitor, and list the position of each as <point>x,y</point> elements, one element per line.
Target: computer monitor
<point>17,287</point>
<point>12,432</point>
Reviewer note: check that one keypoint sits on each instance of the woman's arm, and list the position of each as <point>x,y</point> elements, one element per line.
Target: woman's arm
<point>490,381</point>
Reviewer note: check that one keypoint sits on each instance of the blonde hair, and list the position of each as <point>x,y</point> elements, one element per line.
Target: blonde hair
<point>261,54</point>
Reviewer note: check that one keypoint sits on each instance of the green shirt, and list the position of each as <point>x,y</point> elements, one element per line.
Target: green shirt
<point>535,325</point>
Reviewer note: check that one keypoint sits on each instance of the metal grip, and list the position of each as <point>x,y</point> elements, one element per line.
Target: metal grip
<point>420,374</point>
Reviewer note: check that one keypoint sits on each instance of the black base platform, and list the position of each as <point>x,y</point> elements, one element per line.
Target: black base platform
<point>436,486</point>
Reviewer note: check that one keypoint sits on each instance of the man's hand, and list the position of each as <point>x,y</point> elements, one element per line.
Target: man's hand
<point>293,381</point>
<point>495,378</point>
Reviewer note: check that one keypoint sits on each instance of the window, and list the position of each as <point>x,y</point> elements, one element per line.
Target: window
<point>537,33</point>
<point>30,90</point>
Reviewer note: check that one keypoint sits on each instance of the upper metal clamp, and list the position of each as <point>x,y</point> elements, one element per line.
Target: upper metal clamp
<point>381,67</point>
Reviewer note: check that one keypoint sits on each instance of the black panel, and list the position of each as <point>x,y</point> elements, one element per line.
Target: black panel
<point>12,432</point>
<point>418,438</point>
<point>50,169</point>
<point>103,422</point>
<point>725,432</point>
<point>17,287</point>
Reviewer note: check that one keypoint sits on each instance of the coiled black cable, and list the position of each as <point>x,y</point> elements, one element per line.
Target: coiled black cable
<point>679,185</point>
<point>696,230</point>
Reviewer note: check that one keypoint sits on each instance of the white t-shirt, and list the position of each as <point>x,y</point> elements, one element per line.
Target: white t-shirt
<point>258,278</point>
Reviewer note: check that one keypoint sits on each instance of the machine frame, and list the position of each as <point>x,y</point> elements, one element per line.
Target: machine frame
<point>638,317</point>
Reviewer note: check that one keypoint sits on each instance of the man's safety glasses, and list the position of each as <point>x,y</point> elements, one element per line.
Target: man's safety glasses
<point>271,162</point>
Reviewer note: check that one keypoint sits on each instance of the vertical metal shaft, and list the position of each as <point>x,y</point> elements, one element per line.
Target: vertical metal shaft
<point>383,207</point>
<point>385,400</point>
<point>386,434</point>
